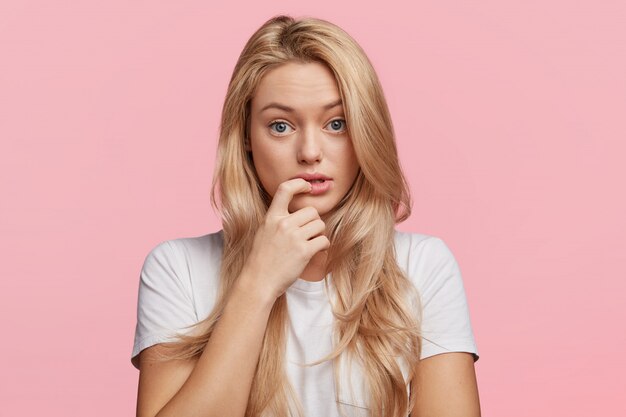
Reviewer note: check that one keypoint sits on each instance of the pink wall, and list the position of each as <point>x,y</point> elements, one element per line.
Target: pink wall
<point>510,119</point>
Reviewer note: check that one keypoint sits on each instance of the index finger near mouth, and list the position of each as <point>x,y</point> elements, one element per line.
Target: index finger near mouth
<point>284,194</point>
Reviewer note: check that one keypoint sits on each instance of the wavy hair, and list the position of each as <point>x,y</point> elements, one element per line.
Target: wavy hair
<point>376,308</point>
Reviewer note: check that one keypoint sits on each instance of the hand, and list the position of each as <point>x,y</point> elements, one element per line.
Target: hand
<point>285,242</point>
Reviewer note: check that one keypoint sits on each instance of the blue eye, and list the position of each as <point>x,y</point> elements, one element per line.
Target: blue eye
<point>280,126</point>
<point>337,123</point>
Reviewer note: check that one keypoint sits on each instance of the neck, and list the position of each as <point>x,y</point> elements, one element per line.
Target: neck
<point>316,268</point>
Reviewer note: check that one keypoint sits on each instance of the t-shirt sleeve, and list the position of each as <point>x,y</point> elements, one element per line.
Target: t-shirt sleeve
<point>164,303</point>
<point>446,324</point>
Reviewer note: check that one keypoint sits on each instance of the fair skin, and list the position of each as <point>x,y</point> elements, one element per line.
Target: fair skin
<point>300,134</point>
<point>289,244</point>
<point>446,386</point>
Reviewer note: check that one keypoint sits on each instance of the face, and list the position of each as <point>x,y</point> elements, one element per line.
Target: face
<point>298,127</point>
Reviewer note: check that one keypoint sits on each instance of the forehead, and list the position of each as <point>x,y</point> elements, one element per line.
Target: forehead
<point>297,85</point>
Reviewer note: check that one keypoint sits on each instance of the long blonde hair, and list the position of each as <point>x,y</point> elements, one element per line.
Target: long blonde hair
<point>376,320</point>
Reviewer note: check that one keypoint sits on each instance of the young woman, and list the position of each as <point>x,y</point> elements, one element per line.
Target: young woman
<point>308,301</point>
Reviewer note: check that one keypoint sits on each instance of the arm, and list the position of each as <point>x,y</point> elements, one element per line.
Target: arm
<point>446,386</point>
<point>218,382</point>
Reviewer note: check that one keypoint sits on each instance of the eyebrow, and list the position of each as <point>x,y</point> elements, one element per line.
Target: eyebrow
<point>291,110</point>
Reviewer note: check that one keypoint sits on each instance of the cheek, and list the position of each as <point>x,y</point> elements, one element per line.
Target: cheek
<point>349,161</point>
<point>263,168</point>
<point>267,165</point>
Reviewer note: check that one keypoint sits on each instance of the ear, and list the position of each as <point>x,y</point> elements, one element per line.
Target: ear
<point>246,144</point>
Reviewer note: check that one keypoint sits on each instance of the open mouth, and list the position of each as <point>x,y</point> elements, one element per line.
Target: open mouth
<point>320,186</point>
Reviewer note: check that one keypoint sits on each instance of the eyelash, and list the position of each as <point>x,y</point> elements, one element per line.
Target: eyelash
<point>281,121</point>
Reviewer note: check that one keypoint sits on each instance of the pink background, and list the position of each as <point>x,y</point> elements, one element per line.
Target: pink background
<point>511,123</point>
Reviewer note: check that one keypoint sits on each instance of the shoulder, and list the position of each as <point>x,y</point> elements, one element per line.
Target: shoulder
<point>178,282</point>
<point>189,262</point>
<point>425,258</point>
<point>204,245</point>
<point>211,241</point>
<point>187,248</point>
<point>405,241</point>
<point>413,248</point>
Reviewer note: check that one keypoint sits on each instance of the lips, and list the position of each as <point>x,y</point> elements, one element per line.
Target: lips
<point>315,177</point>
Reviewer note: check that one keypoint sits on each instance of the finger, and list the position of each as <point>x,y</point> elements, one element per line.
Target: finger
<point>312,229</point>
<point>318,244</point>
<point>284,194</point>
<point>303,216</point>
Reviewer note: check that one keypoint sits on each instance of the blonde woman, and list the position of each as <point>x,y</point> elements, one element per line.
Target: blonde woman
<point>308,302</point>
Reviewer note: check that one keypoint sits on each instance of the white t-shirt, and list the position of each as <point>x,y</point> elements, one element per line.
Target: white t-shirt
<point>178,287</point>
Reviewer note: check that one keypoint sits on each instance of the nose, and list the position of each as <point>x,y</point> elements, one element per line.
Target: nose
<point>309,146</point>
